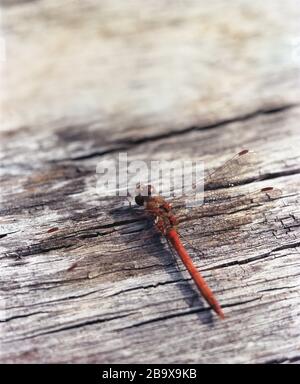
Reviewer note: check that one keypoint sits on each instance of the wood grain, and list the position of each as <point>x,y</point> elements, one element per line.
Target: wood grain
<point>81,282</point>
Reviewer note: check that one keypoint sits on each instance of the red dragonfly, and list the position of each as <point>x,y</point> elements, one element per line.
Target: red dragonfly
<point>166,221</point>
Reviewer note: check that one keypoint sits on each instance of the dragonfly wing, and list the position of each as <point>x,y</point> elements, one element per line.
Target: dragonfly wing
<point>225,222</point>
<point>219,196</point>
<point>233,171</point>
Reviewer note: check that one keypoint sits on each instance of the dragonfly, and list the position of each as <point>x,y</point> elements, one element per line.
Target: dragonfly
<point>166,221</point>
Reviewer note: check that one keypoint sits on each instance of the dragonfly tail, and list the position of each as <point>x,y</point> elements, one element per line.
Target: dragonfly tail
<point>195,274</point>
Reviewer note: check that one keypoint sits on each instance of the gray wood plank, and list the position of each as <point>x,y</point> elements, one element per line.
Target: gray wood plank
<point>151,92</point>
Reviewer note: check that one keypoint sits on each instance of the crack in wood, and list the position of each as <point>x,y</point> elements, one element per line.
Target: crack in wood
<point>143,287</point>
<point>35,249</point>
<point>282,360</point>
<point>125,145</point>
<point>21,316</point>
<point>13,3</point>
<point>254,258</point>
<point>278,288</point>
<point>187,312</point>
<point>72,327</point>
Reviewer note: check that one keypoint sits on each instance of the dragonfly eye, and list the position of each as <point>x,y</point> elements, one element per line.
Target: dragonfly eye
<point>139,199</point>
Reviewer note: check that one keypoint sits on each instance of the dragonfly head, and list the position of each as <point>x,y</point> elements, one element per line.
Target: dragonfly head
<point>144,192</point>
<point>139,199</point>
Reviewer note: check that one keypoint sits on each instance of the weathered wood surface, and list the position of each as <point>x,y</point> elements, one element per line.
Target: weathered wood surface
<point>84,81</point>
